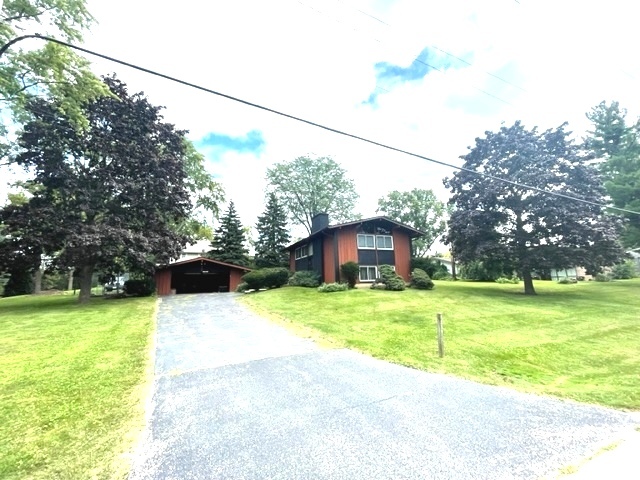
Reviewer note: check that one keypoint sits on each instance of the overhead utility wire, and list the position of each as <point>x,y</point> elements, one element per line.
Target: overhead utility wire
<point>313,124</point>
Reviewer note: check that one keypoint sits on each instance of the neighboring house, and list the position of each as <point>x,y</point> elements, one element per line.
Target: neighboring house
<point>571,272</point>
<point>195,250</point>
<point>370,243</point>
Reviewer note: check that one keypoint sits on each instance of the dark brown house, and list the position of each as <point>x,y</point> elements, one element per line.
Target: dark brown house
<point>198,275</point>
<point>370,243</point>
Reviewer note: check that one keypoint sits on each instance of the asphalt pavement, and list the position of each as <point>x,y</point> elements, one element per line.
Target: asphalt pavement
<point>237,397</point>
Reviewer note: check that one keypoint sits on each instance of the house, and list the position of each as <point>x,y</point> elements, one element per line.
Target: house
<point>198,275</point>
<point>195,250</point>
<point>370,242</point>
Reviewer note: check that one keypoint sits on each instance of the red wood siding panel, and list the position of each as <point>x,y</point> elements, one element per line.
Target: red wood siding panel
<point>292,261</point>
<point>347,245</point>
<point>163,282</point>
<point>402,251</point>
<point>328,260</point>
<point>235,277</point>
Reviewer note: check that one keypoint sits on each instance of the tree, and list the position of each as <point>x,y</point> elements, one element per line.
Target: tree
<point>46,69</point>
<point>205,193</point>
<point>273,236</point>
<point>111,193</point>
<point>617,146</point>
<point>228,242</point>
<point>308,186</point>
<point>420,209</point>
<point>507,223</point>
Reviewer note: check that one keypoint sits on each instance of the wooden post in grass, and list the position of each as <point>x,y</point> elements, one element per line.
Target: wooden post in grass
<point>440,335</point>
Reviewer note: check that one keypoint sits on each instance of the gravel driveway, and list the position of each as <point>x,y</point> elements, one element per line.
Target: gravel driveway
<point>240,398</point>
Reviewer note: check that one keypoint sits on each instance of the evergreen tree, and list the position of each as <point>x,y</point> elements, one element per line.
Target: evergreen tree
<point>617,146</point>
<point>228,243</point>
<point>273,236</point>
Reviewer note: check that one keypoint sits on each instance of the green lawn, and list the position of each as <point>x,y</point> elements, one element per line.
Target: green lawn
<point>73,379</point>
<point>575,341</point>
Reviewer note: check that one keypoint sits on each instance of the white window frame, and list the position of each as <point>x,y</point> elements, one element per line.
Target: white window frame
<point>375,271</point>
<point>364,236</point>
<point>304,251</point>
<point>390,237</point>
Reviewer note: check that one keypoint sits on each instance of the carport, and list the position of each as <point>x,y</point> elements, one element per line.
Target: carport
<point>198,275</point>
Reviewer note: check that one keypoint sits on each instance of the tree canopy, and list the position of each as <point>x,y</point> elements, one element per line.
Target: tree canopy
<point>47,69</point>
<point>531,230</point>
<point>420,209</point>
<point>617,146</point>
<point>306,187</point>
<point>273,236</point>
<point>111,193</point>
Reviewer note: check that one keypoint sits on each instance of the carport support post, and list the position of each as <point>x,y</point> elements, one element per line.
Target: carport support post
<point>440,335</point>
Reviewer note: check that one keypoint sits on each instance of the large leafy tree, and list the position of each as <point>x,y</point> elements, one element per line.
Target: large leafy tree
<point>617,145</point>
<point>110,193</point>
<point>228,244</point>
<point>32,67</point>
<point>273,236</point>
<point>420,209</point>
<point>307,186</point>
<point>532,230</point>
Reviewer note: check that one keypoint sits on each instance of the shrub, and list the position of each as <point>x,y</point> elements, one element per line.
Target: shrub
<point>567,281</point>
<point>391,279</point>
<point>305,278</point>
<point>602,277</point>
<point>266,278</point>
<point>440,275</point>
<point>20,283</point>
<point>242,287</point>
<point>350,271</point>
<point>430,265</point>
<point>624,270</point>
<point>514,280</point>
<point>143,287</point>
<point>333,287</point>
<point>420,280</point>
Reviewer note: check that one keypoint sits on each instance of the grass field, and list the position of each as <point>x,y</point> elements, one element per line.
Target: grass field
<point>73,379</point>
<point>576,341</point>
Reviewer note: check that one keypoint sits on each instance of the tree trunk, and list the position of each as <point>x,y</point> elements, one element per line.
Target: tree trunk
<point>86,272</point>
<point>37,281</point>
<point>528,282</point>
<point>70,282</point>
<point>453,268</point>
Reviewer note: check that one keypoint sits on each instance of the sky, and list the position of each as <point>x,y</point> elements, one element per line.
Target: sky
<point>424,76</point>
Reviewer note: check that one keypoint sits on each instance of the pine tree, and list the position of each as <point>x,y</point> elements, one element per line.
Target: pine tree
<point>228,243</point>
<point>272,235</point>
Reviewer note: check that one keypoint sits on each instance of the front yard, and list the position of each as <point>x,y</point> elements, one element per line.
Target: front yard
<point>73,379</point>
<point>576,341</point>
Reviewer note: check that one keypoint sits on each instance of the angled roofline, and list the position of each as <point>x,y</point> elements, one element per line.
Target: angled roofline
<point>206,259</point>
<point>413,231</point>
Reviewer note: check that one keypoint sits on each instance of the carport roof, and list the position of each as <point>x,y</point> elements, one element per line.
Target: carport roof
<point>208,260</point>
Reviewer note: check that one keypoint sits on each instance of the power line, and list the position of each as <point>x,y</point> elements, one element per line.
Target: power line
<point>313,124</point>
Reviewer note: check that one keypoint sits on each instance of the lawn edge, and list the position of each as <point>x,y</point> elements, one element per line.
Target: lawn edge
<point>140,399</point>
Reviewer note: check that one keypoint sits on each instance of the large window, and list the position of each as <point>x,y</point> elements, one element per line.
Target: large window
<point>366,241</point>
<point>384,242</point>
<point>370,242</point>
<point>304,251</point>
<point>368,273</point>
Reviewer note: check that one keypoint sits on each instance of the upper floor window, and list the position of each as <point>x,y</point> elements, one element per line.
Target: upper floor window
<point>304,251</point>
<point>381,242</point>
<point>366,241</point>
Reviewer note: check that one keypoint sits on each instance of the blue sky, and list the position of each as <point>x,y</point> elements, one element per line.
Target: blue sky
<point>217,144</point>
